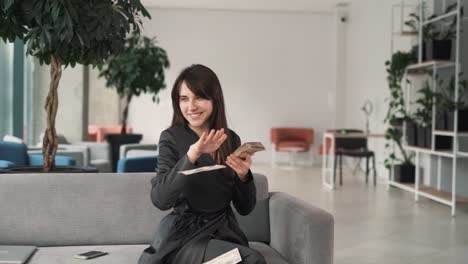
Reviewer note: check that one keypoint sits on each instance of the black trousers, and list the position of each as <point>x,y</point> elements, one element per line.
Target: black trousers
<point>216,248</point>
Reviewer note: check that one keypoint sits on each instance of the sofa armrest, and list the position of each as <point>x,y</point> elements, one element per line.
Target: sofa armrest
<point>301,233</point>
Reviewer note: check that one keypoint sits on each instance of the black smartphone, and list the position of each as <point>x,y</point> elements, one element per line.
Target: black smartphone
<point>90,254</point>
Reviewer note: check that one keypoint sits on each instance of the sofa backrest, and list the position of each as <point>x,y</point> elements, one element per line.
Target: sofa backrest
<point>90,209</point>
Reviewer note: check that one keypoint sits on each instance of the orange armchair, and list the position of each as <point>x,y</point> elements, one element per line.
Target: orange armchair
<point>97,133</point>
<point>291,140</point>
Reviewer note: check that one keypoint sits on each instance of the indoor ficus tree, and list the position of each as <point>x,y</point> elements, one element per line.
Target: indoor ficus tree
<point>68,32</point>
<point>139,68</point>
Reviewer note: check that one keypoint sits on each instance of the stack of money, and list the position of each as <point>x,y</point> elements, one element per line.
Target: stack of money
<point>248,147</point>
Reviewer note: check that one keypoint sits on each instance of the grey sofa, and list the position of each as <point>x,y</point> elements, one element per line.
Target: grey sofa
<point>67,214</point>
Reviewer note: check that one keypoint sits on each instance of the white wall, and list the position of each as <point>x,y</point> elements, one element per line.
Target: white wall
<point>103,102</point>
<point>276,68</point>
<point>368,47</point>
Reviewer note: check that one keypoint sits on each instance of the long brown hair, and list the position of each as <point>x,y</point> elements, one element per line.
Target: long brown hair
<point>203,82</point>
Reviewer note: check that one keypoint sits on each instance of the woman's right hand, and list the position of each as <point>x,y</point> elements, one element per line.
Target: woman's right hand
<point>206,144</point>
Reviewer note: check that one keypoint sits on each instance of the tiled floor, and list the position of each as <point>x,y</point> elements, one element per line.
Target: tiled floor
<point>376,225</point>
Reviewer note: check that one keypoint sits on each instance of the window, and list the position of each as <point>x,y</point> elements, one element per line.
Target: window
<point>6,88</point>
<point>15,90</point>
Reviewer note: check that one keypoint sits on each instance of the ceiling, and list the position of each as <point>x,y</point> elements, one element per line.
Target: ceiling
<point>267,5</point>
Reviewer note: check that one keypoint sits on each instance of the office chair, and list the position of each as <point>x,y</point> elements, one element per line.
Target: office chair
<point>137,164</point>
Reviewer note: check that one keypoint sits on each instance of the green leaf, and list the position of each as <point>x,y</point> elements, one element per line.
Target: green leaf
<point>7,4</point>
<point>138,69</point>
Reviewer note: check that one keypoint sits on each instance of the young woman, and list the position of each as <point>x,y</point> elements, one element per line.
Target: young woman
<point>202,224</point>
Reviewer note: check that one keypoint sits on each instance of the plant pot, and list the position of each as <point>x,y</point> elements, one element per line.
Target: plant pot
<point>462,120</point>
<point>404,172</point>
<point>437,50</point>
<point>115,141</point>
<point>411,133</point>
<point>443,143</point>
<point>441,49</point>
<point>441,120</point>
<point>423,139</point>
<point>428,137</point>
<point>397,122</point>
<point>40,169</point>
<point>420,136</point>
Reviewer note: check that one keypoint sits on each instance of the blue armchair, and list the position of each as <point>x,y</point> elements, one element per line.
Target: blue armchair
<point>16,154</point>
<point>138,164</point>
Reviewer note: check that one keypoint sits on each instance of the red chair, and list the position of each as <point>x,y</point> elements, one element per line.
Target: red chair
<point>97,133</point>
<point>292,140</point>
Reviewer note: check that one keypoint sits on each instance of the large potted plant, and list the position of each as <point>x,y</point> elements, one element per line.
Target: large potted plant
<point>396,114</point>
<point>138,69</point>
<point>66,33</point>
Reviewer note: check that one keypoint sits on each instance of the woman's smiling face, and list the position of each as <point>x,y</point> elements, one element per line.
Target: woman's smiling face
<point>196,110</point>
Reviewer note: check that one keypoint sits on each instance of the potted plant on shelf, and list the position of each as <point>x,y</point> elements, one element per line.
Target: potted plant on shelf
<point>427,31</point>
<point>401,164</point>
<point>437,38</point>
<point>138,69</point>
<point>66,33</point>
<point>446,105</point>
<point>423,115</point>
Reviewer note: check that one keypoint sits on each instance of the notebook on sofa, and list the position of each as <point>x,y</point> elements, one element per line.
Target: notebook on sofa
<point>16,254</point>
<point>230,257</point>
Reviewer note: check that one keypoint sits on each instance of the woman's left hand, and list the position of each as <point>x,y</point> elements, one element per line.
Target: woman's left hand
<point>241,167</point>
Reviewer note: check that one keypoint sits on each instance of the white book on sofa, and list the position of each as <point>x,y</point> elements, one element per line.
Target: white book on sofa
<point>230,257</point>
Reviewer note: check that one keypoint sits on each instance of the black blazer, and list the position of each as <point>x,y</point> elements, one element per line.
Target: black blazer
<point>201,202</point>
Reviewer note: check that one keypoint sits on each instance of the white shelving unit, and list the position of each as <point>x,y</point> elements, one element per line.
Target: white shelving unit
<point>435,193</point>
<point>398,14</point>
<point>399,32</point>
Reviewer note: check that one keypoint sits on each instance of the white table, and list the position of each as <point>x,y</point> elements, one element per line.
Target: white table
<point>328,156</point>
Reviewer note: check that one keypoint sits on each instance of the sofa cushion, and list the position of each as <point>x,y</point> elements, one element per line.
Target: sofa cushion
<point>271,255</point>
<point>118,254</point>
<point>121,254</point>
